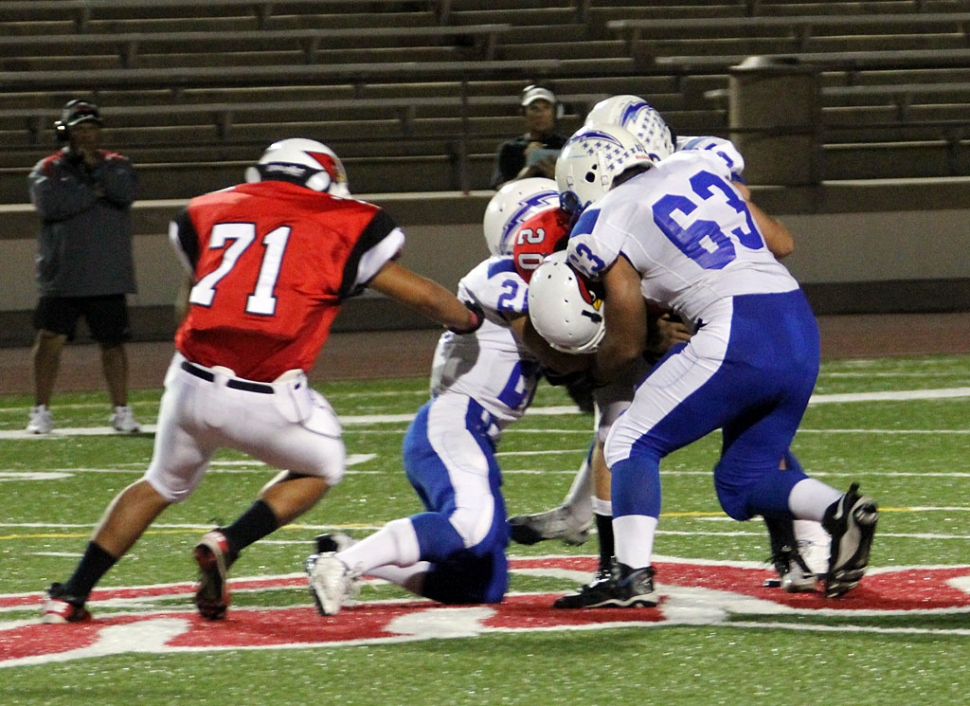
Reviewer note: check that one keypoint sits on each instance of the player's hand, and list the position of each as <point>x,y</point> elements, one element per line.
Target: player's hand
<point>665,331</point>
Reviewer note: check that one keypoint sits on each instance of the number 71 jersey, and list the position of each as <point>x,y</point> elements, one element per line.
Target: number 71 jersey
<point>272,263</point>
<point>686,230</point>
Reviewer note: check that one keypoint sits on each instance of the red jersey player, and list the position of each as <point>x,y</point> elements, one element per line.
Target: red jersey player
<point>269,263</point>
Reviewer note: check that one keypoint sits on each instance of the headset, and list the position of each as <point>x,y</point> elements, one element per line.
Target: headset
<point>560,108</point>
<point>62,132</point>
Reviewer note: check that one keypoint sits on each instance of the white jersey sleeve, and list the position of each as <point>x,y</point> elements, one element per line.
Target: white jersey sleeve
<point>688,232</point>
<point>724,149</point>
<point>490,365</point>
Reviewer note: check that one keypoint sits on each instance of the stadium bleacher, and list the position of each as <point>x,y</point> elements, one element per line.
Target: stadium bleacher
<point>188,85</point>
<point>415,95</point>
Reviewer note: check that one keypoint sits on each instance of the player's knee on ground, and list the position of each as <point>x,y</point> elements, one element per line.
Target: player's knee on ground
<point>468,579</point>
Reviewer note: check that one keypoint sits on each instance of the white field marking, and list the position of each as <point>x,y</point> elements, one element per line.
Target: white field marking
<point>331,395</point>
<point>543,453</point>
<point>885,431</point>
<point>894,535</point>
<point>191,527</point>
<point>856,628</point>
<point>216,467</point>
<point>891,396</point>
<point>59,474</point>
<point>868,375</point>
<point>526,430</point>
<point>683,606</point>
<point>60,527</point>
<point>32,475</point>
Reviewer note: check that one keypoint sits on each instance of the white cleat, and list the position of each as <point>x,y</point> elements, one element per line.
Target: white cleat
<point>557,523</point>
<point>332,582</point>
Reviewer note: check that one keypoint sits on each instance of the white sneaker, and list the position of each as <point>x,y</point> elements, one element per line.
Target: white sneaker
<point>123,420</point>
<point>332,582</point>
<point>41,420</point>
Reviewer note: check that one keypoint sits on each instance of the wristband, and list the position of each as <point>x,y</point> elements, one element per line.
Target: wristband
<point>478,318</point>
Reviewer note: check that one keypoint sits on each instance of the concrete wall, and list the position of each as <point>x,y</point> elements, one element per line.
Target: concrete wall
<point>860,248</point>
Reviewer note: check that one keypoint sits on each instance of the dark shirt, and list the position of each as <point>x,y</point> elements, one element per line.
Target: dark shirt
<point>85,242</point>
<point>510,158</point>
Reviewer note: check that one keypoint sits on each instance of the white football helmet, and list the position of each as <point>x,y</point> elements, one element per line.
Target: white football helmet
<point>592,158</point>
<point>563,308</point>
<point>306,162</point>
<point>640,118</point>
<point>511,206</point>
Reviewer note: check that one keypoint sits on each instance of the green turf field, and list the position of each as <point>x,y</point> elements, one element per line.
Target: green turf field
<point>901,427</point>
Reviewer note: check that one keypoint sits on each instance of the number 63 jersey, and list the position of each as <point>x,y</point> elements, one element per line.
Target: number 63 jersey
<point>686,230</point>
<point>272,263</point>
<point>490,365</point>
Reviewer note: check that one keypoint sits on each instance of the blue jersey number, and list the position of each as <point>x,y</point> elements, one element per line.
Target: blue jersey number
<point>506,300</point>
<point>517,393</point>
<point>703,241</point>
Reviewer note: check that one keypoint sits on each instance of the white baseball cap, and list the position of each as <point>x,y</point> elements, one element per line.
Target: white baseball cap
<point>534,93</point>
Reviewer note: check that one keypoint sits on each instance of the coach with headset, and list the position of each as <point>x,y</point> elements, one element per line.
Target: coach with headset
<point>85,267</point>
<point>532,154</point>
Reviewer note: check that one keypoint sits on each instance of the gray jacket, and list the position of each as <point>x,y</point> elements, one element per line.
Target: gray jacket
<point>84,247</point>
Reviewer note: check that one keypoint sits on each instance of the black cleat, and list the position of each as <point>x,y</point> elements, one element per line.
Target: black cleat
<point>627,588</point>
<point>591,595</point>
<point>851,521</point>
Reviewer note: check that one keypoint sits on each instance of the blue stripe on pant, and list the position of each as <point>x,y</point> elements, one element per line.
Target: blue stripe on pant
<point>452,467</point>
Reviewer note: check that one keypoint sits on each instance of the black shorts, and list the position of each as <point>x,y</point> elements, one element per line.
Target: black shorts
<point>106,316</point>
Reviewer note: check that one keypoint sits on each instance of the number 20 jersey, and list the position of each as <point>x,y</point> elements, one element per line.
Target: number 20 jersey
<point>272,264</point>
<point>686,230</point>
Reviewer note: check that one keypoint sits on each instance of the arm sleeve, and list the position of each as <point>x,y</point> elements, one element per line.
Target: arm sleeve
<point>380,242</point>
<point>118,180</point>
<point>509,161</point>
<point>184,240</point>
<point>57,194</point>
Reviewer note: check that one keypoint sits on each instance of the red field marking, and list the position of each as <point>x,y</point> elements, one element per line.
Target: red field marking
<point>173,630</point>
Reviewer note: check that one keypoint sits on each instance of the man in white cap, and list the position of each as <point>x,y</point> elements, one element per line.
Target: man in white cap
<point>532,154</point>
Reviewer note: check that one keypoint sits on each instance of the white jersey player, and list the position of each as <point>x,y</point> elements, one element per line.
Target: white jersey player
<point>800,551</point>
<point>454,552</point>
<point>676,234</point>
